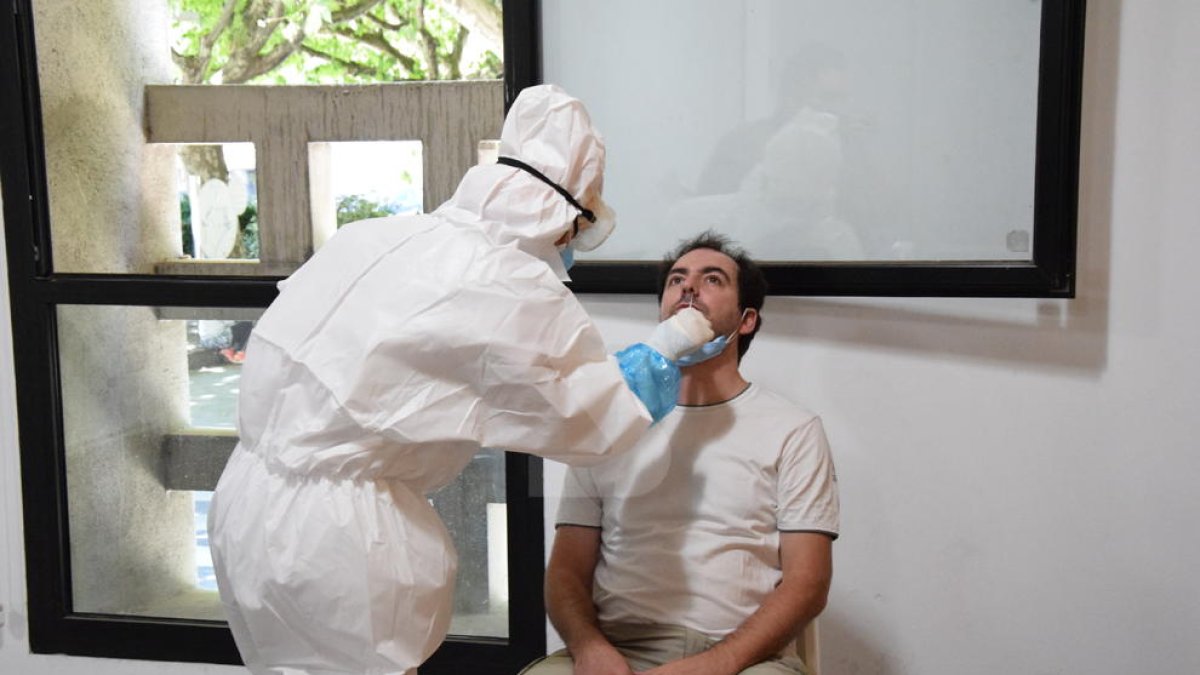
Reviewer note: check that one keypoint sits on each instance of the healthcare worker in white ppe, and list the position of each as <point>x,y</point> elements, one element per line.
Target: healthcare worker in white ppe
<point>388,360</point>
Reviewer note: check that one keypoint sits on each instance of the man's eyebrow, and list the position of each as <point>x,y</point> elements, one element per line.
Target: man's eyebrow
<point>703,270</point>
<point>714,268</point>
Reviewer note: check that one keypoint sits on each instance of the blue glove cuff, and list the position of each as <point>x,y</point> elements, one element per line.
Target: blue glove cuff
<point>653,378</point>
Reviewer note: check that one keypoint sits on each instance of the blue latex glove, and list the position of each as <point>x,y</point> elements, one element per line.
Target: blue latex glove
<point>653,378</point>
<point>706,351</point>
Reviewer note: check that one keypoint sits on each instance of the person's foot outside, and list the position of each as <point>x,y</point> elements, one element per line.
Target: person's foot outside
<point>233,356</point>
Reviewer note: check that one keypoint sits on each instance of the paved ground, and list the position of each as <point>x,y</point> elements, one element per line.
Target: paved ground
<point>214,391</point>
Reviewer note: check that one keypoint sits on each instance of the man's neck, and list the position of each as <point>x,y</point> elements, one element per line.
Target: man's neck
<point>712,381</point>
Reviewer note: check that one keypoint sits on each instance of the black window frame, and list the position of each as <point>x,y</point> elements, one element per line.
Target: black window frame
<point>36,291</point>
<point>1049,274</point>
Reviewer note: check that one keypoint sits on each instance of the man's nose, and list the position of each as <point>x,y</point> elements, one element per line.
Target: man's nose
<point>687,291</point>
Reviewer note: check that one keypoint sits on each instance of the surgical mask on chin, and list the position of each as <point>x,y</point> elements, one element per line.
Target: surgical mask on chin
<point>709,349</point>
<point>568,256</point>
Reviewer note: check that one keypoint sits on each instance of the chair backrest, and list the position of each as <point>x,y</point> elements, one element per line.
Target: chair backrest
<point>809,647</point>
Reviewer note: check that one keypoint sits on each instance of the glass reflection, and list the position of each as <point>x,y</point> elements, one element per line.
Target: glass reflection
<point>814,131</point>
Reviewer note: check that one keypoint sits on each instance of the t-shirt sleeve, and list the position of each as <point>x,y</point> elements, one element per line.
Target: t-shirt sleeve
<point>580,503</point>
<point>807,488</point>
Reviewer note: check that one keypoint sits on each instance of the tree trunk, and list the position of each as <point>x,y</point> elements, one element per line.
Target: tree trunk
<point>482,17</point>
<point>205,162</point>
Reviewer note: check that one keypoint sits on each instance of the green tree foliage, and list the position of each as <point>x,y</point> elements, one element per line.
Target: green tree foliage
<point>352,208</point>
<point>334,42</point>
<point>185,218</point>
<point>325,42</point>
<point>247,244</point>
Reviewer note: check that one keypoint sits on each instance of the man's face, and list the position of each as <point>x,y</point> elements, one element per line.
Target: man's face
<point>709,280</point>
<point>569,234</point>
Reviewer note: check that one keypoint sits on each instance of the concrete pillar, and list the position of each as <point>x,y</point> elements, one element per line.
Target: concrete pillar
<point>114,209</point>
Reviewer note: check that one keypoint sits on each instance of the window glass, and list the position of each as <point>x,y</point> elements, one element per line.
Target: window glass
<point>216,349</point>
<point>473,508</point>
<point>813,131</point>
<point>149,394</point>
<point>150,411</point>
<point>352,181</point>
<point>133,460</point>
<point>323,42</point>
<point>121,205</point>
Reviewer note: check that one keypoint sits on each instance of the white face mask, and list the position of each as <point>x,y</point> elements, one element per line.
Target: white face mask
<point>600,222</point>
<point>597,230</point>
<point>712,348</point>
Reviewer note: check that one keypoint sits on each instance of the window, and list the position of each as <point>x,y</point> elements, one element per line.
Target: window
<point>144,242</point>
<point>868,148</point>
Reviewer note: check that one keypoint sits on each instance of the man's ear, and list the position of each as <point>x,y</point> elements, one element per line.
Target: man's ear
<point>749,321</point>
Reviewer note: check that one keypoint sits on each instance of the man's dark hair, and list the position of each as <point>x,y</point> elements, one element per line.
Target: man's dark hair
<point>752,284</point>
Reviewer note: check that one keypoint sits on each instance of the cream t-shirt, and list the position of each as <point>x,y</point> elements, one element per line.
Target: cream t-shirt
<point>690,518</point>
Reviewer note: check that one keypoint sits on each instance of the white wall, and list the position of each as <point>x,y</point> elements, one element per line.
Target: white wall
<point>1017,475</point>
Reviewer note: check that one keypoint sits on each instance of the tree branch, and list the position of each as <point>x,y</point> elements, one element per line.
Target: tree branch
<point>353,11</point>
<point>456,54</point>
<point>194,70</point>
<point>428,43</point>
<point>263,23</point>
<point>360,69</point>
<point>223,21</point>
<point>378,41</point>
<point>483,17</point>
<point>265,63</point>
<point>385,25</point>
<point>262,20</point>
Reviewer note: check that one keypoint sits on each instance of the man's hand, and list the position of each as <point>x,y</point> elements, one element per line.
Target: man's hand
<point>569,602</point>
<point>807,568</point>
<point>704,663</point>
<point>601,660</point>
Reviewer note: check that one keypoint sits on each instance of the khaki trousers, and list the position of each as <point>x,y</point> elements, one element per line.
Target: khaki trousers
<point>645,646</point>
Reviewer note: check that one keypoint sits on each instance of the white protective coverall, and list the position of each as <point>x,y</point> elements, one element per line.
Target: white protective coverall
<point>388,360</point>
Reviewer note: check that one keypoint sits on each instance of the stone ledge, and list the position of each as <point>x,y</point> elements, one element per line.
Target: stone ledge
<point>195,460</point>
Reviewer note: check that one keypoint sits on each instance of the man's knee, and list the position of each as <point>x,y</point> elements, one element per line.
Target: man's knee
<point>558,663</point>
<point>782,666</point>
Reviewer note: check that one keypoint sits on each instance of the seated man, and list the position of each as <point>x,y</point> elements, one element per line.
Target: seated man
<point>707,548</point>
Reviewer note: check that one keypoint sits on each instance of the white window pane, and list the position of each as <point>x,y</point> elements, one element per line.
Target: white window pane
<point>356,180</point>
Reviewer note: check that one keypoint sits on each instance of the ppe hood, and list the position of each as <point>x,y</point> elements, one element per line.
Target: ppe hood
<point>552,132</point>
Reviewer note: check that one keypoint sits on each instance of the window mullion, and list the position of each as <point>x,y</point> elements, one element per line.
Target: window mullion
<point>89,289</point>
